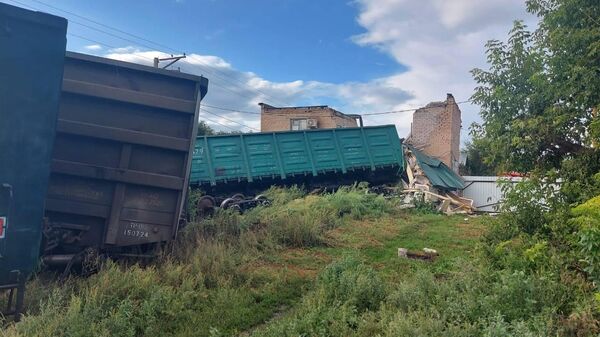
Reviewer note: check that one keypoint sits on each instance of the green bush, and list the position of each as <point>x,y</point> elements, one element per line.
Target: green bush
<point>422,206</point>
<point>349,282</point>
<point>281,196</point>
<point>191,210</point>
<point>344,291</point>
<point>225,224</point>
<point>350,300</point>
<point>523,280</point>
<point>357,202</point>
<point>301,222</point>
<point>587,218</point>
<point>531,204</point>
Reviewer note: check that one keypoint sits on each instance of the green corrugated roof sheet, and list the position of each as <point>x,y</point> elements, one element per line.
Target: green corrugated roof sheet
<point>440,175</point>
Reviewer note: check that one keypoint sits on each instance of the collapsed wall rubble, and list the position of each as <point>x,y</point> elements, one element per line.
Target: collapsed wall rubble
<point>430,180</point>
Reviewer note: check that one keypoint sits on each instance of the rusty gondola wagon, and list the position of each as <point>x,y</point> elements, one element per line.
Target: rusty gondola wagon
<point>121,158</point>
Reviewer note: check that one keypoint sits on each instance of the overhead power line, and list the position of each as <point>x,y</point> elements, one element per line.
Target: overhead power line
<point>231,120</point>
<point>210,71</point>
<point>405,110</point>
<point>89,40</point>
<point>213,72</point>
<point>231,109</point>
<point>325,115</point>
<point>215,122</point>
<point>108,27</point>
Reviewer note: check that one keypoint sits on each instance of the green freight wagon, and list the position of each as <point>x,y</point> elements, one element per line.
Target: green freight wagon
<point>32,52</point>
<point>245,163</point>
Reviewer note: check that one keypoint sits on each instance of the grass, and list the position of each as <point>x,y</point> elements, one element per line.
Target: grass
<point>308,266</point>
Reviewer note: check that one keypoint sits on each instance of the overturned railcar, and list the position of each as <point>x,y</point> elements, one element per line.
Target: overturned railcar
<point>247,163</point>
<point>121,159</point>
<point>32,51</point>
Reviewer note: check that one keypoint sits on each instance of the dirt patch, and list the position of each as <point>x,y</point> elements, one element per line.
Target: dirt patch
<point>304,258</point>
<point>364,234</point>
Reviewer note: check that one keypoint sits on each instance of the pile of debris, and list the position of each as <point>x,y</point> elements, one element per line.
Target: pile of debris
<point>430,180</point>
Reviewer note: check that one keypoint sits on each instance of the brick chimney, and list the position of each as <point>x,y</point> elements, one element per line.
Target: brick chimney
<point>435,130</point>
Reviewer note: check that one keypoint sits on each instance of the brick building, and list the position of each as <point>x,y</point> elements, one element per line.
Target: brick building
<point>435,130</point>
<point>304,117</point>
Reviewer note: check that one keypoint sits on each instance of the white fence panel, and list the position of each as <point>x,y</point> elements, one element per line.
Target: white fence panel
<point>485,191</point>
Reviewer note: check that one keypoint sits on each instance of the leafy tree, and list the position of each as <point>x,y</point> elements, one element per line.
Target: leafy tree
<point>539,98</point>
<point>474,164</point>
<point>539,103</point>
<point>204,129</point>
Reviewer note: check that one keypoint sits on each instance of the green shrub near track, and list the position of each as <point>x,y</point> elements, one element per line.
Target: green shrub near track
<point>326,265</point>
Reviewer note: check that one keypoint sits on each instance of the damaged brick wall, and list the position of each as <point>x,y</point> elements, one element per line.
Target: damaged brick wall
<point>435,131</point>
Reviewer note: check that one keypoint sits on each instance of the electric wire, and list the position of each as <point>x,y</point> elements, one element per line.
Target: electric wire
<point>231,109</point>
<point>90,40</point>
<point>109,27</point>
<point>231,120</point>
<point>213,82</point>
<point>406,110</point>
<point>215,122</point>
<point>172,49</point>
<point>106,45</point>
<point>212,71</point>
<point>326,115</point>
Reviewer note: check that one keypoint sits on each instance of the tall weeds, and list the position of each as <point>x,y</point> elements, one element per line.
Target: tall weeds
<point>201,285</point>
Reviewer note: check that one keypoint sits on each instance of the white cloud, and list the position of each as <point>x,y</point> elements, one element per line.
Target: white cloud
<point>231,88</point>
<point>439,41</point>
<point>94,47</point>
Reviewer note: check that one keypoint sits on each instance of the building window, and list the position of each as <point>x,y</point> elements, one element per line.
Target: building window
<point>299,124</point>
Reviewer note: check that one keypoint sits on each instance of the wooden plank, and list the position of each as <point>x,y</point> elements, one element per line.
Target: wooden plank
<point>411,177</point>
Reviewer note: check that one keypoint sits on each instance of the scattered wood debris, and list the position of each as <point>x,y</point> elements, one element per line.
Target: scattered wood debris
<point>447,202</point>
<point>419,188</point>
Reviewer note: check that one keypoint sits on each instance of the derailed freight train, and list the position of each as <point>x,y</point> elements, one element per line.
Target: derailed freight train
<point>95,153</point>
<point>229,167</point>
<point>32,50</point>
<point>121,158</point>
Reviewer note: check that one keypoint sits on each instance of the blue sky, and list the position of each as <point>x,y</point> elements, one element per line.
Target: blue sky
<point>358,56</point>
<point>281,40</point>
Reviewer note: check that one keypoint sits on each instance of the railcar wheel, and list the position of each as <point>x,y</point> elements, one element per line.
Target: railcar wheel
<point>231,203</point>
<point>227,203</point>
<point>206,205</point>
<point>238,196</point>
<point>262,200</point>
